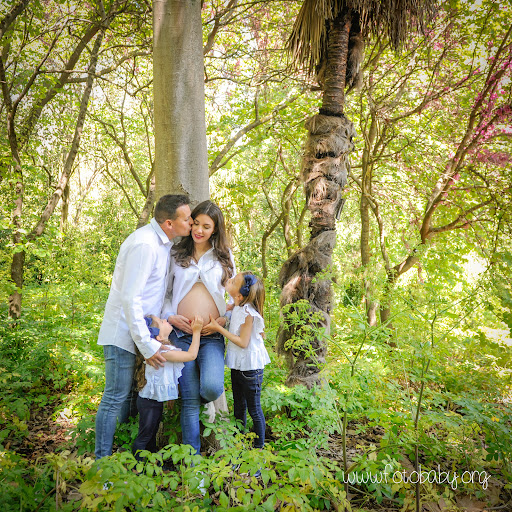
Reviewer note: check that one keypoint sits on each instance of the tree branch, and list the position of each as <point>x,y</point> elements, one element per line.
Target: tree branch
<point>463,216</point>
<point>126,194</point>
<point>99,74</point>
<point>11,16</point>
<point>216,165</point>
<point>57,194</point>
<point>217,24</point>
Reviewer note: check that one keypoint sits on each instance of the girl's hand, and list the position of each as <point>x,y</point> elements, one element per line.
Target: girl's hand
<point>210,328</point>
<point>181,322</point>
<point>197,324</point>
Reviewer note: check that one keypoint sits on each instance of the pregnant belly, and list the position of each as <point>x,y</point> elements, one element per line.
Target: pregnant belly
<point>198,301</point>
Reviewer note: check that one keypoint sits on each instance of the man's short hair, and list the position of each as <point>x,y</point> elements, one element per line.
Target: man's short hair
<point>167,206</point>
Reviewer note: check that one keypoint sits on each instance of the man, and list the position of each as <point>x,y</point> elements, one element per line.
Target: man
<point>138,288</point>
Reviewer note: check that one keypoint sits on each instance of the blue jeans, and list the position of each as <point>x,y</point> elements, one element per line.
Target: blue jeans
<point>117,398</point>
<point>246,395</point>
<point>200,379</point>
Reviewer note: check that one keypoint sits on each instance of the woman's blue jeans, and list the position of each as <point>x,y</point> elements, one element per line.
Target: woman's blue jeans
<point>246,387</point>
<point>202,379</point>
<point>117,398</point>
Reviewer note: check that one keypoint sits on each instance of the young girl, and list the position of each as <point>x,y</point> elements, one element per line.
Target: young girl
<point>156,386</point>
<point>246,354</point>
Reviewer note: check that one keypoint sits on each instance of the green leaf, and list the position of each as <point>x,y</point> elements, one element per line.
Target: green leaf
<point>223,500</point>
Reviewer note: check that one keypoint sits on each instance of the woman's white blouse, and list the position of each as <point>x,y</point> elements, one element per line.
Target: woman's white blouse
<point>255,355</point>
<point>162,382</point>
<point>208,269</point>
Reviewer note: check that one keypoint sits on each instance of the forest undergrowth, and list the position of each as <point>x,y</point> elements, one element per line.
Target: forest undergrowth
<point>413,413</point>
<point>430,398</point>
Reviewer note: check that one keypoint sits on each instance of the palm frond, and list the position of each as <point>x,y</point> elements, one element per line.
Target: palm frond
<point>395,18</point>
<point>308,39</point>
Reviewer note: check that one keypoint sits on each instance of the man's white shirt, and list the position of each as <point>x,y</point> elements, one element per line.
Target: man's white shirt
<point>138,289</point>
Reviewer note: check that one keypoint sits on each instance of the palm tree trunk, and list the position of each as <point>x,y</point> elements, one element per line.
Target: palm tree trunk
<point>333,98</point>
<point>324,174</point>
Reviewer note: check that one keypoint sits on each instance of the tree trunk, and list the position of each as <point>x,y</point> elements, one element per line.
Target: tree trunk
<point>65,209</point>
<point>18,194</point>
<point>181,160</point>
<point>324,174</point>
<point>18,260</point>
<point>366,183</point>
<point>145,214</point>
<point>17,264</point>
<point>333,98</point>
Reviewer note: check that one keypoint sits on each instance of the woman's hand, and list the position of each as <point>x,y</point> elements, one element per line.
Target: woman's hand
<point>181,322</point>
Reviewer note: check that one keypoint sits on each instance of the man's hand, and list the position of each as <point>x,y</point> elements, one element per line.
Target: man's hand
<point>156,360</point>
<point>181,322</point>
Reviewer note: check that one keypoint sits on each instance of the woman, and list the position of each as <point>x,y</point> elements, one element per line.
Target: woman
<point>201,264</point>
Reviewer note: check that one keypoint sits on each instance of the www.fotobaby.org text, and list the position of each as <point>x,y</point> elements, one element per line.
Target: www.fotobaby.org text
<point>437,476</point>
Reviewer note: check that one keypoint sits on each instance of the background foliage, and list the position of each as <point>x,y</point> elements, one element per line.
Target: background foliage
<point>431,383</point>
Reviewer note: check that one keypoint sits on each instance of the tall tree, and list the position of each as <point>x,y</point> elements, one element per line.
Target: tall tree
<point>50,53</point>
<point>181,159</point>
<point>327,38</point>
<point>17,91</point>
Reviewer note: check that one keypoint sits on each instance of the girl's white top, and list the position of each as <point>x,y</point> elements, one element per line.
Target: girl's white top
<point>255,356</point>
<point>162,383</point>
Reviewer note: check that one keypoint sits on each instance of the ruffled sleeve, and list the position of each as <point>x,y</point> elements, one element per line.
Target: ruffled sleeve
<point>162,383</point>
<point>255,356</point>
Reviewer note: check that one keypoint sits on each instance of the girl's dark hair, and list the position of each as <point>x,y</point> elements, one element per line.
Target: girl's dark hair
<point>183,250</point>
<point>256,295</point>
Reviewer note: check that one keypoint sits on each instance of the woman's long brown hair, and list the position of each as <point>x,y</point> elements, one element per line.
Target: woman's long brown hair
<point>184,250</point>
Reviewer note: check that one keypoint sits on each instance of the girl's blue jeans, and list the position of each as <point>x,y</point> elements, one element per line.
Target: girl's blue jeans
<point>116,402</point>
<point>201,380</point>
<point>246,396</point>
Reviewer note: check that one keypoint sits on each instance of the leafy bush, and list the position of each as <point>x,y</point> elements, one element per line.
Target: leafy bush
<point>300,416</point>
<point>24,487</point>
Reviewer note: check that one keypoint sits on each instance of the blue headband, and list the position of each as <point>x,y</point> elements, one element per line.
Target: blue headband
<point>154,331</point>
<point>249,281</point>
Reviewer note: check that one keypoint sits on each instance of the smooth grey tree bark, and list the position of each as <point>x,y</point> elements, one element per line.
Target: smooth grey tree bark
<point>181,159</point>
